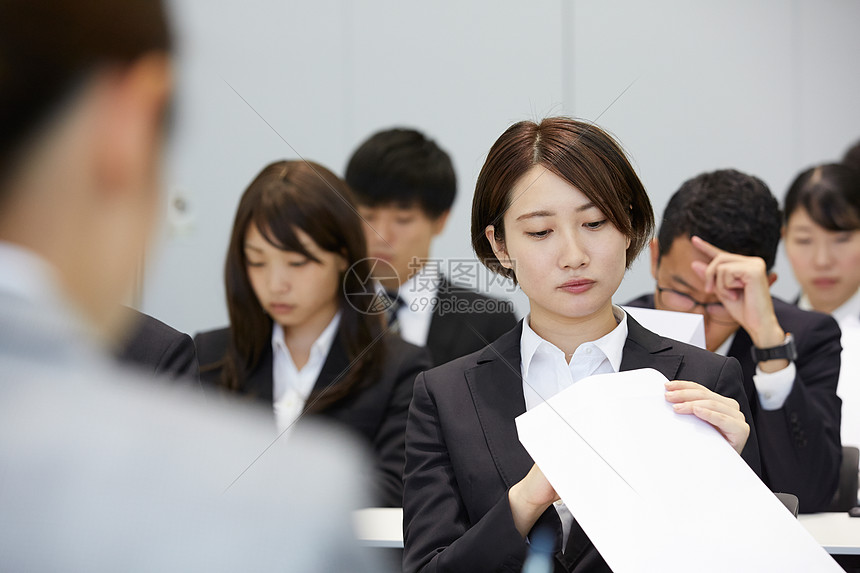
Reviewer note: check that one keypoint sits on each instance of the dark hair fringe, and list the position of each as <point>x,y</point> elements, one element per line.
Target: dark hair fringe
<point>579,152</point>
<point>830,193</point>
<point>402,167</point>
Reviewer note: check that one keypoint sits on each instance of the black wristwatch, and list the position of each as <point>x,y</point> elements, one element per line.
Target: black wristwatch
<point>786,350</point>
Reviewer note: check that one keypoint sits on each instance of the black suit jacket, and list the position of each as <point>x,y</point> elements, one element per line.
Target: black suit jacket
<point>800,445</point>
<point>377,411</point>
<point>158,349</point>
<point>465,321</point>
<point>463,453</point>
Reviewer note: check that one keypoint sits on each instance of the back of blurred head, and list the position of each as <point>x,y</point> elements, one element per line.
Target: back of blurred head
<point>84,86</point>
<point>852,157</point>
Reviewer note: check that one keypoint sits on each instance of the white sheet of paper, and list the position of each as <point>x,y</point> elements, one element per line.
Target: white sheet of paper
<point>659,491</point>
<point>683,326</point>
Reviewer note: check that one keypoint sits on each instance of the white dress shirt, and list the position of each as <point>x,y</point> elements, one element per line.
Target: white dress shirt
<point>25,274</point>
<point>420,295</point>
<point>772,388</point>
<point>546,372</point>
<point>291,386</point>
<point>78,435</point>
<point>848,317</point>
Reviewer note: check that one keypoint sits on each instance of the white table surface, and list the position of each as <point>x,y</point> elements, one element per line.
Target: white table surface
<point>838,533</point>
<point>379,526</point>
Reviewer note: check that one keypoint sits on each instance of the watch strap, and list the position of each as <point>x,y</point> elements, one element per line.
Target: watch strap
<point>786,351</point>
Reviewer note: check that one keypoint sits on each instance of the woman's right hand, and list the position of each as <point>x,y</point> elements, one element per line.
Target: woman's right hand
<point>529,498</point>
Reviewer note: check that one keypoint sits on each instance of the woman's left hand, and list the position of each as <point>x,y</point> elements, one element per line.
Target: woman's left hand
<point>722,413</point>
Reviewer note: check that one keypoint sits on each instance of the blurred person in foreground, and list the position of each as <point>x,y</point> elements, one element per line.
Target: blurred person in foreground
<point>852,157</point>
<point>103,471</point>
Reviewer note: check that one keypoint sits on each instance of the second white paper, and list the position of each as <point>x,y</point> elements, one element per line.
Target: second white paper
<point>656,490</point>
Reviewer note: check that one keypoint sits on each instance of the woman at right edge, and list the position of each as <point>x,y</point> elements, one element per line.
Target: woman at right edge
<point>559,209</point>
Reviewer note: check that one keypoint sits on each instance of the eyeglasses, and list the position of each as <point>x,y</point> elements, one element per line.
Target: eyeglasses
<point>674,300</point>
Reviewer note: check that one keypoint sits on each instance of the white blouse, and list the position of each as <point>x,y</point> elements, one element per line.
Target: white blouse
<point>848,317</point>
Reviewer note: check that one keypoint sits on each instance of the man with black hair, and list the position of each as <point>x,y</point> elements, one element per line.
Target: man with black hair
<point>406,185</point>
<point>713,255</point>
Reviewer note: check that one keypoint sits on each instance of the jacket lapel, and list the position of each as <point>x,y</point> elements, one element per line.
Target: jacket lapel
<point>497,390</point>
<point>496,386</point>
<point>443,326</point>
<point>644,349</point>
<point>740,347</point>
<point>335,366</point>
<point>259,382</point>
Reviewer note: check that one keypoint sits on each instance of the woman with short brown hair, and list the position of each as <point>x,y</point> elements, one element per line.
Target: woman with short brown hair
<point>559,209</point>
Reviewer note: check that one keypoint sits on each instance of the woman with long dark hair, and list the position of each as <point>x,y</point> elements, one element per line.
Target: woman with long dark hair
<point>822,241</point>
<point>302,336</point>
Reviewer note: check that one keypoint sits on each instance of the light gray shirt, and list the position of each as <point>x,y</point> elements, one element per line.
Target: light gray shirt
<point>105,471</point>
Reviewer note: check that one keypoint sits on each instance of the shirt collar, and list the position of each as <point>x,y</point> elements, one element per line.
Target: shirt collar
<point>849,309</point>
<point>26,275</point>
<point>610,344</point>
<point>419,289</point>
<point>320,347</point>
<point>529,344</point>
<point>723,350</point>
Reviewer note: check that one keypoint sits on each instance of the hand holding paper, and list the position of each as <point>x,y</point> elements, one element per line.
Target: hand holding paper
<point>655,491</point>
<point>722,413</point>
<point>529,498</point>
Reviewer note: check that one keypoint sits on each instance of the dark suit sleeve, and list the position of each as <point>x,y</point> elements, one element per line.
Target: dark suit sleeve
<point>800,442</point>
<point>405,362</point>
<point>211,346</point>
<point>179,359</point>
<point>438,535</point>
<point>159,349</point>
<point>730,383</point>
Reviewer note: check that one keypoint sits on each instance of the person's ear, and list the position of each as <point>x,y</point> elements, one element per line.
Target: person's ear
<point>771,278</point>
<point>654,249</point>
<point>498,247</point>
<point>342,262</point>
<point>133,103</point>
<point>439,222</point>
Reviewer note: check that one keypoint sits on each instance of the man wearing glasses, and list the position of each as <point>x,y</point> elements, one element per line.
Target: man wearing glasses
<point>713,256</point>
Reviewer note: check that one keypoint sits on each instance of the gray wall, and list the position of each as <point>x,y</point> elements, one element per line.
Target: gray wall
<point>768,87</point>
